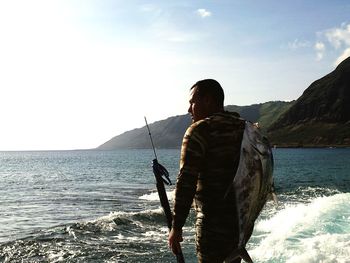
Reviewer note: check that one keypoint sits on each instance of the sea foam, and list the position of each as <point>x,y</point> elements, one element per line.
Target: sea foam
<point>154,196</point>
<point>306,232</point>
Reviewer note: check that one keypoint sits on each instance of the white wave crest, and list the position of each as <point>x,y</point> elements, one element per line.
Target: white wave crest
<point>154,196</point>
<point>318,231</point>
<point>324,248</point>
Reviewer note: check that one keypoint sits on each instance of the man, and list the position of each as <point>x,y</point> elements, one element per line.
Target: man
<point>209,160</point>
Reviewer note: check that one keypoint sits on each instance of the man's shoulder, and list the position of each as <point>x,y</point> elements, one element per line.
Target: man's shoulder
<point>198,126</point>
<point>217,121</point>
<point>226,118</point>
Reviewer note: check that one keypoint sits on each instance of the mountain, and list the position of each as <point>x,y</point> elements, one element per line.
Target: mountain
<point>318,118</point>
<point>168,133</point>
<point>321,116</point>
<point>265,113</point>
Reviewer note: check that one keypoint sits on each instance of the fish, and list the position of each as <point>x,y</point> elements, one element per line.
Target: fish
<point>252,185</point>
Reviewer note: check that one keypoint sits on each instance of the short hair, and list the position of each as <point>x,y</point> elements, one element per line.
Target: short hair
<point>212,88</point>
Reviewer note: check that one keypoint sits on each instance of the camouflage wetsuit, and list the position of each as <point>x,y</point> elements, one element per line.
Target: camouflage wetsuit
<point>209,160</point>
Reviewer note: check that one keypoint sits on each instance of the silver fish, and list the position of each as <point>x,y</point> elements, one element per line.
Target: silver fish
<point>252,185</point>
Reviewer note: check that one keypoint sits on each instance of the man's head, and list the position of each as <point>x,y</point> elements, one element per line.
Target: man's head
<point>206,98</point>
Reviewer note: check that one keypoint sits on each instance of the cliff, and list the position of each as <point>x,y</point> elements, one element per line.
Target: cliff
<point>321,116</point>
<point>318,118</point>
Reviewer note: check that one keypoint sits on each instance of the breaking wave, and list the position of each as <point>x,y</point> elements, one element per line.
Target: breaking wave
<point>154,196</point>
<point>117,237</point>
<point>317,231</point>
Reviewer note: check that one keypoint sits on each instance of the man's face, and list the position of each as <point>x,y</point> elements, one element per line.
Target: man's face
<point>198,106</point>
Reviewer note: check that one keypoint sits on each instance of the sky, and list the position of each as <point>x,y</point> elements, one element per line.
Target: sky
<point>74,74</point>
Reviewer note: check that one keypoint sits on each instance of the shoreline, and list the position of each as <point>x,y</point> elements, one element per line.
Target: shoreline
<point>290,146</point>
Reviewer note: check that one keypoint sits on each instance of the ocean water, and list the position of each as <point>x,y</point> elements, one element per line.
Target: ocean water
<point>102,206</point>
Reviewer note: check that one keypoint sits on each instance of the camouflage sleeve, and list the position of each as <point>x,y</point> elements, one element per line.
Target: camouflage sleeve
<point>191,163</point>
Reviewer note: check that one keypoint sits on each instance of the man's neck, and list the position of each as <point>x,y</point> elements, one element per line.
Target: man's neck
<point>217,110</point>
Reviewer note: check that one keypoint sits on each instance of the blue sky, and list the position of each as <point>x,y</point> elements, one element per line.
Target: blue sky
<point>76,73</point>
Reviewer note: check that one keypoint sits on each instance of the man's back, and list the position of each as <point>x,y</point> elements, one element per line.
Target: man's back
<point>222,135</point>
<point>210,152</point>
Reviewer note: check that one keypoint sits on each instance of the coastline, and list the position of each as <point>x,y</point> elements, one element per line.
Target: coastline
<point>309,146</point>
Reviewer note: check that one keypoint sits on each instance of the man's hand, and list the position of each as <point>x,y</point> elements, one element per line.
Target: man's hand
<point>175,237</point>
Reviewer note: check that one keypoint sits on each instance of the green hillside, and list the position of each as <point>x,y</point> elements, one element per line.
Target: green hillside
<point>271,111</point>
<point>321,116</point>
<point>168,133</point>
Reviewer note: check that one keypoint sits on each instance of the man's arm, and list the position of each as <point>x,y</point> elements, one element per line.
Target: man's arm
<point>191,164</point>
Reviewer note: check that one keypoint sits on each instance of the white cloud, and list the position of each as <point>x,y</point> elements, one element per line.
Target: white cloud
<point>320,48</point>
<point>343,56</point>
<point>298,44</point>
<point>203,13</point>
<point>338,38</point>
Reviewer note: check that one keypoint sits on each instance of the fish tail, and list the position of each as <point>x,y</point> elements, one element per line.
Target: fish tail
<point>274,198</point>
<point>240,252</point>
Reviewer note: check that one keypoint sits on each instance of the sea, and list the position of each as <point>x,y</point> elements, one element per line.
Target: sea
<point>102,206</point>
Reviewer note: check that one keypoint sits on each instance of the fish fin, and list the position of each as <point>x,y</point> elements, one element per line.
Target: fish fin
<point>240,252</point>
<point>274,198</point>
